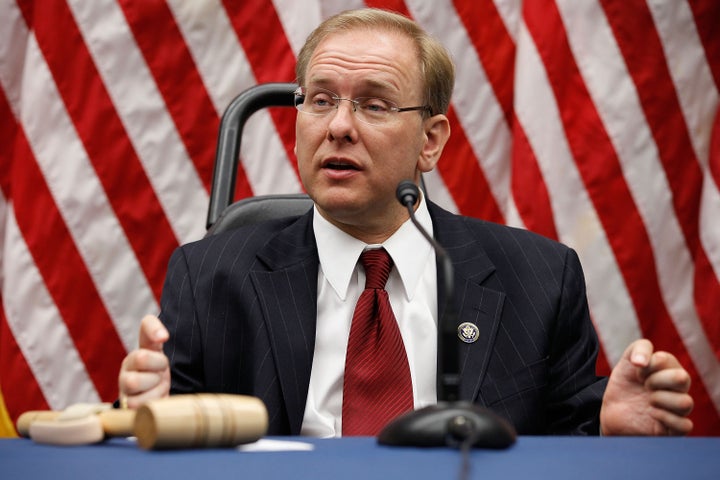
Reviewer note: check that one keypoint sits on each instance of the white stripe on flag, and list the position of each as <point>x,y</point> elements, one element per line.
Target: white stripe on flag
<point>13,44</point>
<point>510,12</point>
<point>298,18</point>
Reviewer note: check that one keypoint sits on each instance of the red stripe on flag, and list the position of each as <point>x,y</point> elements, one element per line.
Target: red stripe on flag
<point>64,272</point>
<point>394,5</point>
<point>270,56</point>
<point>707,17</point>
<point>600,169</point>
<point>109,148</point>
<point>714,159</point>
<point>602,367</point>
<point>634,29</point>
<point>7,143</point>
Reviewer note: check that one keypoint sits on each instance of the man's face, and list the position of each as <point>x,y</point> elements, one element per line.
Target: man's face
<point>350,168</point>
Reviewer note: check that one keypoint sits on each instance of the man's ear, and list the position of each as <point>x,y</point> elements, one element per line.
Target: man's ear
<point>437,132</point>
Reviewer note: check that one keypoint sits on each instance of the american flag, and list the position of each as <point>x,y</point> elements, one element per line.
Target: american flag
<point>594,122</point>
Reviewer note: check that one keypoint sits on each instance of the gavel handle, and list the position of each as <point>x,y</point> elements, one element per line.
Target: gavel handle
<point>117,423</point>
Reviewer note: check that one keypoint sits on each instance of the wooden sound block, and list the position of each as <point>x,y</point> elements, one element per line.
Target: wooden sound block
<point>75,431</point>
<point>73,412</point>
<point>26,419</point>
<point>77,424</point>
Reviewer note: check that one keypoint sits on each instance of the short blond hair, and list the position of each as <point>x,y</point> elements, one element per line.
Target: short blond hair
<point>435,62</point>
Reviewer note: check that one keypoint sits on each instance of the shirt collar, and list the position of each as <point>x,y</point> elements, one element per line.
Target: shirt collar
<point>339,252</point>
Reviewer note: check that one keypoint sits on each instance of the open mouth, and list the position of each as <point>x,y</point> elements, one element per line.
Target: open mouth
<point>340,166</point>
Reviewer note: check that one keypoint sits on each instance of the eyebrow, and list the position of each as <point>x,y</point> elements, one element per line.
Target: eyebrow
<point>367,84</point>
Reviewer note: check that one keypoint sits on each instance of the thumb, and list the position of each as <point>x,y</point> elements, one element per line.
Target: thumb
<point>153,333</point>
<point>639,353</point>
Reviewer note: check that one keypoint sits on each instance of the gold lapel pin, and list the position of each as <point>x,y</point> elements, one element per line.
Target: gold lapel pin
<point>468,332</point>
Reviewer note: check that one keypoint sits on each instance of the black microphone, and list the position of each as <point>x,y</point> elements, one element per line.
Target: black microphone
<point>450,422</point>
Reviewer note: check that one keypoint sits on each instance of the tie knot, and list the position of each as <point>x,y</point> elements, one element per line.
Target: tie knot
<point>377,264</point>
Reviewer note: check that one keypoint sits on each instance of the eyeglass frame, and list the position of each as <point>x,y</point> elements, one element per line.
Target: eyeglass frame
<point>300,94</point>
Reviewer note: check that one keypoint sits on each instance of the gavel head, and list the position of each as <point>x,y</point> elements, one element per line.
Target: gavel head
<point>201,420</point>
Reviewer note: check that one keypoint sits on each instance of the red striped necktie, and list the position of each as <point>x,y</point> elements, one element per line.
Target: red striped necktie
<point>377,386</point>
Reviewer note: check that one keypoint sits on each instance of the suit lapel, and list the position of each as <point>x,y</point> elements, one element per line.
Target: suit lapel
<point>474,303</point>
<point>286,286</point>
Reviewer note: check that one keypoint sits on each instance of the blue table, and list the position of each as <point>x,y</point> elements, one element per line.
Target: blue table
<point>554,458</point>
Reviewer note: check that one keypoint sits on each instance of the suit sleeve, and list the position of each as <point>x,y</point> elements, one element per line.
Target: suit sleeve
<point>575,393</point>
<point>179,314</point>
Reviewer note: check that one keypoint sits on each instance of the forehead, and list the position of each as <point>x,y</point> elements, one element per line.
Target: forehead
<point>363,56</point>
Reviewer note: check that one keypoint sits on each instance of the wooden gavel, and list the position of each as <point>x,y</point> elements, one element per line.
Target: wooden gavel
<point>179,421</point>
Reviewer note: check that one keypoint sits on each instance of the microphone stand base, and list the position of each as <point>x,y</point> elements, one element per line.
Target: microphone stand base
<point>449,424</point>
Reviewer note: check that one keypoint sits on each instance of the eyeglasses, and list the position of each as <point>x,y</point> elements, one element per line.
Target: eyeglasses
<point>370,110</point>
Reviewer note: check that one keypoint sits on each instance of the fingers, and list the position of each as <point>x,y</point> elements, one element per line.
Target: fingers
<point>145,361</point>
<point>144,375</point>
<point>160,390</point>
<point>670,399</point>
<point>152,333</point>
<point>671,423</point>
<point>667,375</point>
<point>676,403</point>
<point>137,383</point>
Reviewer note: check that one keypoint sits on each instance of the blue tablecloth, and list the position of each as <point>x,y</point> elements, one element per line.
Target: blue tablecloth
<point>554,458</point>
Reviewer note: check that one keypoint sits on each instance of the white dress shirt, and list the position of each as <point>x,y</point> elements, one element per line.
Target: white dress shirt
<point>412,288</point>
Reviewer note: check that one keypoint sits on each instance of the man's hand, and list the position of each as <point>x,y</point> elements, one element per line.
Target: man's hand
<point>647,394</point>
<point>145,372</point>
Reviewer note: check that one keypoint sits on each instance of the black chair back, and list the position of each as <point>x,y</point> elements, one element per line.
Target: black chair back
<point>222,191</point>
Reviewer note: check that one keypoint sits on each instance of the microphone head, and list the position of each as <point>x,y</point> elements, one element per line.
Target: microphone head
<point>407,193</point>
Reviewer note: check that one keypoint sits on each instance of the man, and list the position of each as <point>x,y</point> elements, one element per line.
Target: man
<point>267,310</point>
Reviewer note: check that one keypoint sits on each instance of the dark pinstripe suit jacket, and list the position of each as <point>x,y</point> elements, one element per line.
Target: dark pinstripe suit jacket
<point>241,310</point>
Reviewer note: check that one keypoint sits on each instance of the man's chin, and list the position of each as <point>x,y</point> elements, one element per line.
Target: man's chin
<point>336,209</point>
<point>336,199</point>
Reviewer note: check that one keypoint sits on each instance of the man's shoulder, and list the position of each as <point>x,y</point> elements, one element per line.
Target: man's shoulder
<point>250,239</point>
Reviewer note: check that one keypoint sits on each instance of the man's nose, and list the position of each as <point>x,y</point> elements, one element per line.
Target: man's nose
<point>342,121</point>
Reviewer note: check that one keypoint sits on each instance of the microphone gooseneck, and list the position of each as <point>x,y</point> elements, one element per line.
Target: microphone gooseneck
<point>448,372</point>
